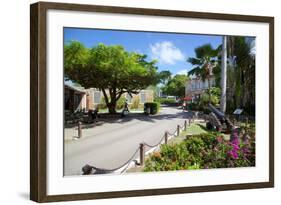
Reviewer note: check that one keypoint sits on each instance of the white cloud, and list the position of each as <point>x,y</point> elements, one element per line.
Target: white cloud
<point>182,72</point>
<point>166,52</point>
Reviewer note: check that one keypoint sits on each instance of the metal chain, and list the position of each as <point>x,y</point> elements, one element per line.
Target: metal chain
<point>155,144</point>
<point>119,167</point>
<point>102,170</point>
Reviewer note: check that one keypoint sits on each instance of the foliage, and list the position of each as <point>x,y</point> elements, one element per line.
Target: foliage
<point>241,74</point>
<point>119,105</point>
<point>208,150</point>
<point>135,102</point>
<point>109,67</point>
<point>215,93</point>
<point>176,86</point>
<point>204,63</point>
<point>154,107</point>
<point>164,76</point>
<point>102,104</point>
<point>165,100</point>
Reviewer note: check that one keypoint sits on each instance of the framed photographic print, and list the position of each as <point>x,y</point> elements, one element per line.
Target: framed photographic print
<point>135,102</point>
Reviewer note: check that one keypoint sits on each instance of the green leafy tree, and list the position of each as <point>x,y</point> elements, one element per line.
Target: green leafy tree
<point>164,76</point>
<point>176,86</point>
<point>109,68</point>
<point>204,62</point>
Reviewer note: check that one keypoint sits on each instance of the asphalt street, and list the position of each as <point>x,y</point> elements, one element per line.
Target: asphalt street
<point>108,145</point>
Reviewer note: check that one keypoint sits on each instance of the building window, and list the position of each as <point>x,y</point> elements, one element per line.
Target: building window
<point>97,97</point>
<point>142,98</point>
<point>192,86</point>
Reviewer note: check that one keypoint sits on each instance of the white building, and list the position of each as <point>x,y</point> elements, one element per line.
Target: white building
<point>194,87</point>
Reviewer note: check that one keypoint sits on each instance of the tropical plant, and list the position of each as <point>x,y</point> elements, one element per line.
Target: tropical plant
<point>241,73</point>
<point>223,74</point>
<point>204,62</point>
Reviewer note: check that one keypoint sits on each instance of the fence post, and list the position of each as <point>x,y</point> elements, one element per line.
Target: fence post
<point>166,137</point>
<point>141,154</point>
<point>178,130</point>
<point>79,129</point>
<point>185,125</point>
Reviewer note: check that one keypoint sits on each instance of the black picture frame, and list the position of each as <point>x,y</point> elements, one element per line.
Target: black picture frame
<point>38,103</point>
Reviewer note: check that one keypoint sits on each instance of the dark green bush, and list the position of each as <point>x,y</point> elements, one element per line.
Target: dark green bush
<point>154,107</point>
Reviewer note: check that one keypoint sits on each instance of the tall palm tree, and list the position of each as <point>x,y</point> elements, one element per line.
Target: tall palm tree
<point>204,62</point>
<point>223,74</point>
<point>243,72</point>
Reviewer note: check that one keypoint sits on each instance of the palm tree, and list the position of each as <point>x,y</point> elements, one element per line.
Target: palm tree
<point>242,78</point>
<point>205,60</point>
<point>223,74</point>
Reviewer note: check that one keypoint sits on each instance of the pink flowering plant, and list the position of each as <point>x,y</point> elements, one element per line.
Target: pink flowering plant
<point>204,151</point>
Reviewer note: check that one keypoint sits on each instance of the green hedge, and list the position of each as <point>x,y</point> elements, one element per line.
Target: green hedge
<point>165,100</point>
<point>154,107</point>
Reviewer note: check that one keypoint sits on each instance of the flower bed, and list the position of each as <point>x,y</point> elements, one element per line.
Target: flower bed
<point>204,151</point>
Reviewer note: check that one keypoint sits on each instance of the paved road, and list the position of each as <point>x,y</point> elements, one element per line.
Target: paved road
<point>110,144</point>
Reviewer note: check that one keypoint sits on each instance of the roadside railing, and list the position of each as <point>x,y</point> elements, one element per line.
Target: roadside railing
<point>133,161</point>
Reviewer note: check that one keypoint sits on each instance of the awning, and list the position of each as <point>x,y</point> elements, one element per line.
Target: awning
<point>187,98</point>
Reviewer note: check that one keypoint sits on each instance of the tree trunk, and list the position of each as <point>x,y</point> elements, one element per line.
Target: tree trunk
<point>209,89</point>
<point>110,103</point>
<point>112,107</point>
<point>223,75</point>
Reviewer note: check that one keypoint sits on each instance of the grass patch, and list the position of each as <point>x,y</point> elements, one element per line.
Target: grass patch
<point>193,129</point>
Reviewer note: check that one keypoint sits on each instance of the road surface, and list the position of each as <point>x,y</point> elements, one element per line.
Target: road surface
<point>110,144</point>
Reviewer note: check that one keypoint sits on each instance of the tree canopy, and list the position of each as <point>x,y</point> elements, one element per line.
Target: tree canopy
<point>176,86</point>
<point>109,67</point>
<point>165,76</point>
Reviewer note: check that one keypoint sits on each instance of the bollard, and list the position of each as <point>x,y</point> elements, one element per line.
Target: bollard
<point>166,137</point>
<point>185,125</point>
<point>141,154</point>
<point>178,130</point>
<point>189,121</point>
<point>79,129</point>
<point>247,121</point>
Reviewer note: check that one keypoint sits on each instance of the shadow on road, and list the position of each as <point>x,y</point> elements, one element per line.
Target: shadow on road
<point>137,116</point>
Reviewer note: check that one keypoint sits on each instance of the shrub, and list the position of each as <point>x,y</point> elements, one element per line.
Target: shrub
<point>154,107</point>
<point>165,100</point>
<point>135,102</point>
<point>208,150</point>
<point>120,103</point>
<point>102,104</point>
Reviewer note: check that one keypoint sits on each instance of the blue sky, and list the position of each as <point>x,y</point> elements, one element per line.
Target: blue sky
<point>169,49</point>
